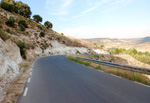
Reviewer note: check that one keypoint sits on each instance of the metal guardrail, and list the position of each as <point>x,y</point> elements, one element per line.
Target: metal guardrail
<point>117,65</point>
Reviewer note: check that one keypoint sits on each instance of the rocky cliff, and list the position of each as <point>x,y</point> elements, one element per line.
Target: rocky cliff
<point>9,59</point>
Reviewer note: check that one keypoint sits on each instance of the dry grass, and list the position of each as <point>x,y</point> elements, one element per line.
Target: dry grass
<point>34,31</point>
<point>119,72</point>
<point>17,85</point>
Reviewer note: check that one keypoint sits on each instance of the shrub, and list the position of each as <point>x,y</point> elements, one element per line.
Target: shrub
<point>101,46</point>
<point>10,22</point>
<point>58,38</point>
<point>1,26</point>
<point>7,5</point>
<point>23,22</point>
<point>143,57</point>
<point>22,28</point>
<point>8,30</point>
<point>3,35</point>
<point>23,46</point>
<point>42,34</point>
<point>40,27</point>
<point>29,20</point>
<point>63,42</point>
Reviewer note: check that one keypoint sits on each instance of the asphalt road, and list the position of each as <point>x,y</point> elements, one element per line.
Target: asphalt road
<point>55,79</point>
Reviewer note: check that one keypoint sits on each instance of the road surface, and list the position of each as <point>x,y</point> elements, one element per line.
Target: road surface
<point>54,79</point>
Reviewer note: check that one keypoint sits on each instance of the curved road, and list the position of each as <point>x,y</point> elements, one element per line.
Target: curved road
<point>55,79</point>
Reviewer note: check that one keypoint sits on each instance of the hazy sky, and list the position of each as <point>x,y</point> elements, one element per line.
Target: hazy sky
<point>96,18</point>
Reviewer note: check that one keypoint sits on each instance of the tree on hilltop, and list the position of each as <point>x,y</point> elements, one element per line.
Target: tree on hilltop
<point>17,7</point>
<point>8,5</point>
<point>22,9</point>
<point>48,24</point>
<point>37,18</point>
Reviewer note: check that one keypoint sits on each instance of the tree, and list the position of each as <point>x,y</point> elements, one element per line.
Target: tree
<point>22,28</point>
<point>101,46</point>
<point>23,22</point>
<point>37,18</point>
<point>10,22</point>
<point>22,9</point>
<point>8,5</point>
<point>18,7</point>
<point>42,34</point>
<point>48,24</point>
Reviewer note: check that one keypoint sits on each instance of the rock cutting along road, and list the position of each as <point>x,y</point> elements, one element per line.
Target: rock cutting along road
<point>55,79</point>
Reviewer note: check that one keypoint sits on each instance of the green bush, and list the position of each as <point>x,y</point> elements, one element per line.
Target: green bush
<point>10,22</point>
<point>30,20</point>
<point>7,5</point>
<point>143,57</point>
<point>40,27</point>
<point>7,29</point>
<point>102,46</point>
<point>17,7</point>
<point>1,26</point>
<point>22,28</point>
<point>23,46</point>
<point>23,22</point>
<point>3,35</point>
<point>42,34</point>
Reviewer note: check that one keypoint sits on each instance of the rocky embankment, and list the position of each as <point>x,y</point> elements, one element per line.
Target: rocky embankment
<point>9,59</point>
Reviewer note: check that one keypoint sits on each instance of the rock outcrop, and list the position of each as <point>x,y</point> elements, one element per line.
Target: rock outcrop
<point>9,59</point>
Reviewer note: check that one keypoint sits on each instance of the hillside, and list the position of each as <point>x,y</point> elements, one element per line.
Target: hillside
<point>144,40</point>
<point>141,44</point>
<point>19,44</point>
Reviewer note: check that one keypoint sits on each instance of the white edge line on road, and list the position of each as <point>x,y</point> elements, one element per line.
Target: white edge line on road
<point>29,80</point>
<point>141,84</point>
<point>25,92</point>
<point>31,73</point>
<point>115,76</point>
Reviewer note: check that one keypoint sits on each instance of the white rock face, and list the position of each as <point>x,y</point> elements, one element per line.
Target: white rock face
<point>57,49</point>
<point>98,51</point>
<point>9,59</point>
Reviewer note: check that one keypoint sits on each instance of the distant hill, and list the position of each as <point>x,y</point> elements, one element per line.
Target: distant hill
<point>144,40</point>
<point>142,44</point>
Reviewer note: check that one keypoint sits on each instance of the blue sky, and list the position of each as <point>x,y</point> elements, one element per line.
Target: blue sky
<point>96,18</point>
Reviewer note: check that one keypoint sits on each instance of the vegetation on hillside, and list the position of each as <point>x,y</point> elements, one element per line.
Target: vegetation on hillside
<point>17,7</point>
<point>143,57</point>
<point>3,35</point>
<point>24,10</point>
<point>10,22</point>
<point>23,47</point>
<point>21,29</point>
